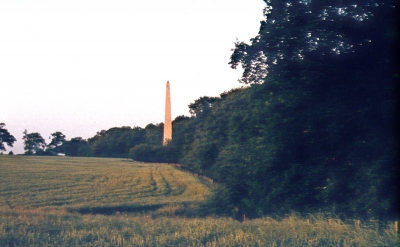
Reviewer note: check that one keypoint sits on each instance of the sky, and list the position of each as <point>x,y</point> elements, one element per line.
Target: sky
<point>82,66</point>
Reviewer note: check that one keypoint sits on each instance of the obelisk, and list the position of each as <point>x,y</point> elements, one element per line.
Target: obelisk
<point>168,122</point>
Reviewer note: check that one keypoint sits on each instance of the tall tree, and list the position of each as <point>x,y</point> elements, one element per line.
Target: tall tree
<point>33,142</point>
<point>5,137</point>
<point>57,140</point>
<point>328,71</point>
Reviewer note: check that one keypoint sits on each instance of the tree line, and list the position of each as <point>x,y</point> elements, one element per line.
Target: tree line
<point>315,129</point>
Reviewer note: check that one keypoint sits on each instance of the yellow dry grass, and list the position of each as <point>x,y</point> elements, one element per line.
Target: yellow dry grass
<point>64,201</point>
<point>70,182</point>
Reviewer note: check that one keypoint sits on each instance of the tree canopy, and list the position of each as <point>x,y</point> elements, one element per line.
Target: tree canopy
<point>357,33</point>
<point>57,140</point>
<point>5,137</point>
<point>33,142</point>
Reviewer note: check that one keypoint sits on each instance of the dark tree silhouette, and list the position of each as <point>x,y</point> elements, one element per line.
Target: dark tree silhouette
<point>57,140</point>
<point>5,137</point>
<point>33,142</point>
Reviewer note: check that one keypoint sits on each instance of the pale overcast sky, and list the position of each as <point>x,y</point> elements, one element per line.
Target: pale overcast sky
<point>81,66</point>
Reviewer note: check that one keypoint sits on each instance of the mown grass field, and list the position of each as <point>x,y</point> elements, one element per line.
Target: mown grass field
<point>64,201</point>
<point>94,183</point>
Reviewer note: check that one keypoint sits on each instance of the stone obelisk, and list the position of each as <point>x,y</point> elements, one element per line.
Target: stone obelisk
<point>168,122</point>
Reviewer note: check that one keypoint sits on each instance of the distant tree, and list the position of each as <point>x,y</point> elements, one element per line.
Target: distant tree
<point>143,152</point>
<point>154,133</point>
<point>77,146</point>
<point>179,119</point>
<point>11,153</point>
<point>5,137</point>
<point>57,140</point>
<point>150,126</point>
<point>201,106</point>
<point>33,142</point>
<point>154,153</point>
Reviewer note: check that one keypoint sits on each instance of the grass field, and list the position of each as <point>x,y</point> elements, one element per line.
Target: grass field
<point>94,183</point>
<point>64,201</point>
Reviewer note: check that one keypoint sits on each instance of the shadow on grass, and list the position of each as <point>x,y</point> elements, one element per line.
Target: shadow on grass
<point>109,210</point>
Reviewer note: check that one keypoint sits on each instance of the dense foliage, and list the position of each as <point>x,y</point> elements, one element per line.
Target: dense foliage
<point>5,137</point>
<point>315,128</point>
<point>34,143</point>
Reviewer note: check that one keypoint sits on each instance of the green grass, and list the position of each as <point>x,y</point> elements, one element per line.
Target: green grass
<point>63,201</point>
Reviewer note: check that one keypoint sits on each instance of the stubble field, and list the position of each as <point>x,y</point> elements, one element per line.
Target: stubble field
<point>65,201</point>
<point>94,184</point>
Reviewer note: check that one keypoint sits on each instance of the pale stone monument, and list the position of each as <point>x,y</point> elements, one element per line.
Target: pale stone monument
<point>168,122</point>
